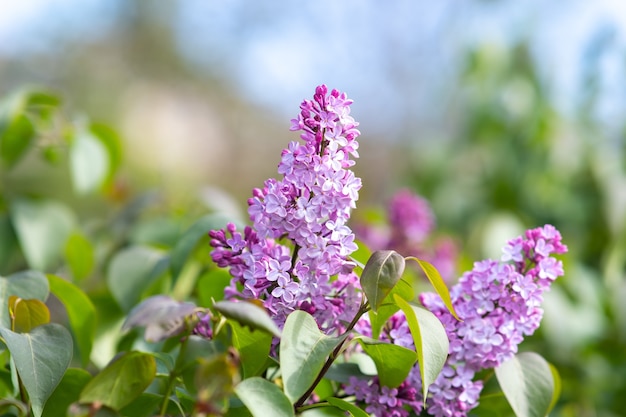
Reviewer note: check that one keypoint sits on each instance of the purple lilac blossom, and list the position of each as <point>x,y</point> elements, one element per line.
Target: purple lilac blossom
<point>411,223</point>
<point>499,304</point>
<point>295,253</point>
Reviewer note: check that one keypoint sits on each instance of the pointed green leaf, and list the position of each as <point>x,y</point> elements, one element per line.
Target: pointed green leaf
<point>430,339</point>
<point>528,384</point>
<point>248,314</point>
<point>131,271</point>
<point>42,228</point>
<point>556,377</point>
<point>388,308</point>
<point>437,282</point>
<point>27,314</point>
<point>303,351</point>
<point>80,311</point>
<point>121,381</point>
<point>263,398</point>
<point>253,347</point>
<point>210,286</point>
<point>381,273</point>
<point>41,358</point>
<point>27,285</point>
<point>393,362</point>
<point>346,406</point>
<point>80,257</point>
<point>66,393</point>
<point>89,162</point>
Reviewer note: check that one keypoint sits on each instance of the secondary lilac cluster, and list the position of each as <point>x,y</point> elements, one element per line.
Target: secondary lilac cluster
<point>499,303</point>
<point>409,231</point>
<point>295,254</point>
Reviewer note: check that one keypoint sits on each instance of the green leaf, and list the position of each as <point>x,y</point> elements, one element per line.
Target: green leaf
<point>79,255</point>
<point>27,314</point>
<point>528,384</point>
<point>303,352</point>
<point>131,271</point>
<point>9,247</point>
<point>42,228</point>
<point>211,286</point>
<point>146,405</point>
<point>80,311</point>
<point>66,393</point>
<point>191,237</point>
<point>248,314</point>
<point>381,273</point>
<point>121,381</point>
<point>253,347</point>
<point>26,285</point>
<point>346,406</point>
<point>557,387</point>
<point>263,398</point>
<point>437,282</point>
<point>430,339</point>
<point>161,315</point>
<point>388,308</point>
<point>41,358</point>
<point>112,143</point>
<point>393,362</point>
<point>89,162</point>
<point>16,138</point>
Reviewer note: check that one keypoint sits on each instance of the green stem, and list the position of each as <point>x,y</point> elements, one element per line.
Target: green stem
<point>298,406</point>
<point>173,376</point>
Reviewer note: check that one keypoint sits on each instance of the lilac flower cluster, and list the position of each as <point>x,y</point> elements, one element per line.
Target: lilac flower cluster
<point>499,304</point>
<point>409,229</point>
<point>295,254</point>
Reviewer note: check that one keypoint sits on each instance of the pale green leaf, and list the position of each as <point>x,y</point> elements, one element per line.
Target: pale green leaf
<point>42,228</point>
<point>303,352</point>
<point>437,282</point>
<point>248,314</point>
<point>528,384</point>
<point>79,255</point>
<point>41,358</point>
<point>27,285</point>
<point>89,162</point>
<point>263,398</point>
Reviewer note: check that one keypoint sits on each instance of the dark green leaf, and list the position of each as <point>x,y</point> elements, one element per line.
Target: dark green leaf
<point>42,228</point>
<point>303,351</point>
<point>381,273</point>
<point>66,393</point>
<point>80,312</point>
<point>263,398</point>
<point>41,358</point>
<point>27,285</point>
<point>131,271</point>
<point>121,381</point>
<point>430,339</point>
<point>393,362</point>
<point>528,384</point>
<point>248,314</point>
<point>146,405</point>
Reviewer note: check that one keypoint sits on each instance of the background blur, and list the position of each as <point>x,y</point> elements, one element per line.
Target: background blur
<point>505,115</point>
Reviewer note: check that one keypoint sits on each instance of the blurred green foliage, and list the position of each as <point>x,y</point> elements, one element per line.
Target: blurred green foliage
<point>516,162</point>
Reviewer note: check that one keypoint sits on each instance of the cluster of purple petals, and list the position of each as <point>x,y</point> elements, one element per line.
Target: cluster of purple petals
<point>295,254</point>
<point>499,303</point>
<point>409,229</point>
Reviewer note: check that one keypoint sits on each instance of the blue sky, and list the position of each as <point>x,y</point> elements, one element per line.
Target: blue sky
<point>393,56</point>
